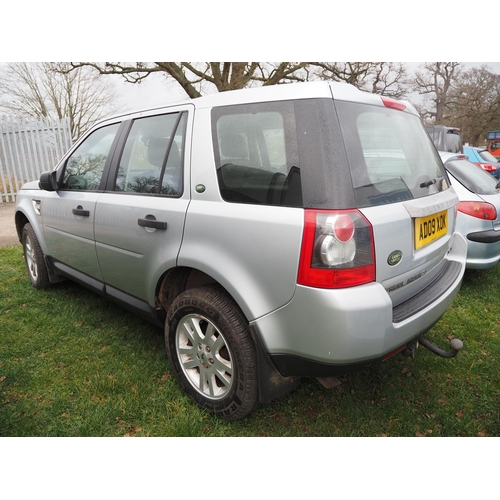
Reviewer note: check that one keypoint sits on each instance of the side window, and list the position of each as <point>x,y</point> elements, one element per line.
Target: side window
<point>256,154</point>
<point>151,160</point>
<point>85,166</point>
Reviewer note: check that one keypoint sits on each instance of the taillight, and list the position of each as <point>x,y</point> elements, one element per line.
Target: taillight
<point>337,249</point>
<point>478,209</point>
<point>489,167</point>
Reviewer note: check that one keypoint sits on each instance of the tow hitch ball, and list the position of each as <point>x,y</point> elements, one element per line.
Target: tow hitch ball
<point>456,345</point>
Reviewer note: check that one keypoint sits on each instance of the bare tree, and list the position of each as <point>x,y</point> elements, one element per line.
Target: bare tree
<point>49,91</point>
<point>476,106</point>
<point>436,82</point>
<point>199,78</point>
<point>386,78</point>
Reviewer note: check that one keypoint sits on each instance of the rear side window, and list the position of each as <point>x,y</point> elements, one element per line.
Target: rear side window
<point>256,154</point>
<point>391,157</point>
<point>151,159</point>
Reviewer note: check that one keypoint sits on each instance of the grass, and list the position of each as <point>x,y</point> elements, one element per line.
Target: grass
<point>75,364</point>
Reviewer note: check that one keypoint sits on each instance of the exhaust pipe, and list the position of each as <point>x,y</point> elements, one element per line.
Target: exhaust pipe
<point>456,345</point>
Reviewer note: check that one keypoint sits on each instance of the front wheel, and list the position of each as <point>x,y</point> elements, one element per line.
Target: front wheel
<point>211,352</point>
<point>33,255</point>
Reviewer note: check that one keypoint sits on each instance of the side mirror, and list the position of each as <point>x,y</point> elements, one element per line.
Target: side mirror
<point>48,181</point>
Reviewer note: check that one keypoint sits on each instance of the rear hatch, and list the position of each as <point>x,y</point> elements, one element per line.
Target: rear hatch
<point>401,187</point>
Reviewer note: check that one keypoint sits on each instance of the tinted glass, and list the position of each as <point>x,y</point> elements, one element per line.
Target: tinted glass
<point>151,159</point>
<point>255,148</point>
<point>85,166</point>
<point>391,158</point>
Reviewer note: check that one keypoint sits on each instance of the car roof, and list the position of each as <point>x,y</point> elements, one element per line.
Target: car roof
<point>446,156</point>
<point>305,90</point>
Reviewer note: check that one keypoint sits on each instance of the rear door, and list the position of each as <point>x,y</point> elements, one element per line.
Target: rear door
<point>139,220</point>
<point>401,187</point>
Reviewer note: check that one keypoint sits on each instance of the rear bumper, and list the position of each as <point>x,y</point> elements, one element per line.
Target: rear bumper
<point>490,236</point>
<point>483,249</point>
<point>327,332</point>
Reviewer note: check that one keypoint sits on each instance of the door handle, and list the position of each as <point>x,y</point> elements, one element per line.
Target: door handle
<point>156,224</point>
<point>81,212</point>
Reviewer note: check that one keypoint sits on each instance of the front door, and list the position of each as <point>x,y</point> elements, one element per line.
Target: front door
<point>68,214</point>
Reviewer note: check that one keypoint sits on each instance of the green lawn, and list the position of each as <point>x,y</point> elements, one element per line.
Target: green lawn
<point>75,364</point>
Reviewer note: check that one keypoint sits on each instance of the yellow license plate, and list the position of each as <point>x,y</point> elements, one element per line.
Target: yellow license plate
<point>430,228</point>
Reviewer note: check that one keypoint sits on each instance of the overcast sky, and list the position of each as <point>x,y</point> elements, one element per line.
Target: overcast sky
<point>155,91</point>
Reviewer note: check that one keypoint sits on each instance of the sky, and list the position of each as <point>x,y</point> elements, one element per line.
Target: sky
<point>155,91</point>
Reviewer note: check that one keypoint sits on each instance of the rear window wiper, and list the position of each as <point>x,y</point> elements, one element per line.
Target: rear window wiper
<point>431,182</point>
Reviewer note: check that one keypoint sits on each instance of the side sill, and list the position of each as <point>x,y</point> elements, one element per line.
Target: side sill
<point>125,300</point>
<point>81,278</point>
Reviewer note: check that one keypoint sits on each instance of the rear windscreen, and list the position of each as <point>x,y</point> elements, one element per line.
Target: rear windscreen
<point>391,157</point>
<point>320,153</point>
<point>473,177</point>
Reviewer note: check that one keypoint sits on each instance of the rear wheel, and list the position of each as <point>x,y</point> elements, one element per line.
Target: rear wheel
<point>212,353</point>
<point>33,255</point>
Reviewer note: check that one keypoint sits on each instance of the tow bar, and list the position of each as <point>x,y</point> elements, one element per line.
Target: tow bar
<point>411,349</point>
<point>456,345</point>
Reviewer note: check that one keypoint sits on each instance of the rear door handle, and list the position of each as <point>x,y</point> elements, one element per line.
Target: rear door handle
<point>156,224</point>
<point>81,212</point>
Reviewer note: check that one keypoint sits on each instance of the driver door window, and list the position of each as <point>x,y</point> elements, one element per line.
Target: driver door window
<point>85,166</point>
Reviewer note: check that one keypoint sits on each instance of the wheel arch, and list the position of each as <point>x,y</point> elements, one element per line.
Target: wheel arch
<point>21,220</point>
<point>173,282</point>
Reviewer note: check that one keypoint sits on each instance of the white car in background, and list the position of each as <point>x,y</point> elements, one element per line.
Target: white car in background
<point>478,217</point>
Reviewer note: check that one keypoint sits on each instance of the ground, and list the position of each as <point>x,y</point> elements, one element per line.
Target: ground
<point>8,234</point>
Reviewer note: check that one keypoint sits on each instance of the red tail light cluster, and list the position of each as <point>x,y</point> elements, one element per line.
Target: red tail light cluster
<point>480,210</point>
<point>488,167</point>
<point>337,249</point>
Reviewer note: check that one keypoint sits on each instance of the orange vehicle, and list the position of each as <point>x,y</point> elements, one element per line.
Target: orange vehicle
<point>494,142</point>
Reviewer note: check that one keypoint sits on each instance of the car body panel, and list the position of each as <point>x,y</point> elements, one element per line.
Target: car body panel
<point>350,325</point>
<point>146,253</point>
<point>70,237</point>
<point>482,252</point>
<point>253,250</point>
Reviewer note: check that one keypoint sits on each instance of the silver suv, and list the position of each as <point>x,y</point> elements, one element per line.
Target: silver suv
<point>292,231</point>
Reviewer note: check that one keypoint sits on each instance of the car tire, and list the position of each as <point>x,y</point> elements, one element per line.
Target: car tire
<point>212,353</point>
<point>33,256</point>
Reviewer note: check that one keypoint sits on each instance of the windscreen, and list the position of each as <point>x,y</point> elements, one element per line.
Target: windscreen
<point>391,157</point>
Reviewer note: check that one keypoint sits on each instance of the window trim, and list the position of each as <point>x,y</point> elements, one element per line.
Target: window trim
<point>110,184</point>
<point>107,166</point>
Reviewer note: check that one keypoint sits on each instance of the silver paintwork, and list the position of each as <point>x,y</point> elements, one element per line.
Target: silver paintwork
<point>251,250</point>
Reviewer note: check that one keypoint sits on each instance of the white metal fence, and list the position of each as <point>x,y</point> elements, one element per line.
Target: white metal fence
<point>27,149</point>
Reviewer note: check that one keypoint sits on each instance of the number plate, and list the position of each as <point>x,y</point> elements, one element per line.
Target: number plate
<point>430,228</point>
